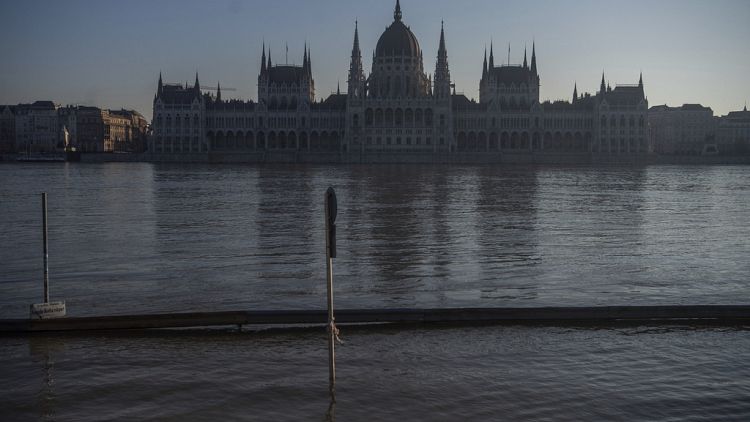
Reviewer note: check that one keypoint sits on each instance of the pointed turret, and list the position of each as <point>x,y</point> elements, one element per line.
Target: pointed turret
<point>218,91</point>
<point>356,69</point>
<point>263,60</point>
<point>640,85</point>
<point>304,57</point>
<point>442,51</point>
<point>309,63</point>
<point>492,57</point>
<point>397,12</point>
<point>575,92</point>
<point>197,85</point>
<point>603,86</point>
<point>484,65</point>
<point>442,87</point>
<point>533,58</point>
<point>338,88</point>
<point>160,88</point>
<point>269,59</point>
<point>525,63</point>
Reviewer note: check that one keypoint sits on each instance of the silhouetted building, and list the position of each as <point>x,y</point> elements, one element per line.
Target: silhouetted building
<point>92,129</point>
<point>399,108</point>
<point>7,129</point>
<point>733,133</point>
<point>686,130</point>
<point>85,126</point>
<point>127,130</point>
<point>37,129</point>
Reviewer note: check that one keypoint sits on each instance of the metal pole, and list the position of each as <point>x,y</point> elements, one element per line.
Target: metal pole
<point>331,329</point>
<point>46,254</point>
<point>331,320</point>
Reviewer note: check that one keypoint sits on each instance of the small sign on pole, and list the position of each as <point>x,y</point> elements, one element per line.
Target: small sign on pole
<point>331,211</point>
<point>46,310</point>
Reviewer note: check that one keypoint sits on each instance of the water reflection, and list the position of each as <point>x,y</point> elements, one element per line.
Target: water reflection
<point>42,351</point>
<point>286,247</point>
<point>396,253</point>
<point>507,242</point>
<point>159,238</point>
<point>594,214</point>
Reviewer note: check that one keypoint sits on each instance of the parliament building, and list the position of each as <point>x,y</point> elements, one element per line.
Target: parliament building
<point>397,113</point>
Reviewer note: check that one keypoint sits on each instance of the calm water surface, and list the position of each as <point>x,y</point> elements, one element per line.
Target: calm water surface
<point>154,238</point>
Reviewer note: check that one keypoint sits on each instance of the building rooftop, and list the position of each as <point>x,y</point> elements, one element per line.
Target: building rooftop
<point>511,74</point>
<point>333,102</point>
<point>286,74</point>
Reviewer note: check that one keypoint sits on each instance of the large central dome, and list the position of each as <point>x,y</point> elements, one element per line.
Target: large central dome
<point>397,68</point>
<point>398,40</point>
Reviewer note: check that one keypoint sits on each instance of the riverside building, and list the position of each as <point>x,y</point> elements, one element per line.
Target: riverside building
<point>398,112</point>
<point>686,130</point>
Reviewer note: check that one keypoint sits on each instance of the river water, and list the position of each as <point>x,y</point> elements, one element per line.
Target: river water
<point>134,237</point>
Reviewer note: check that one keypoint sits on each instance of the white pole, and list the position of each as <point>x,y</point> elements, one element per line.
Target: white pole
<point>46,253</point>
<point>330,198</point>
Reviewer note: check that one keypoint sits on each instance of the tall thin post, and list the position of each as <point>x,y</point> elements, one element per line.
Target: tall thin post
<point>46,254</point>
<point>330,207</point>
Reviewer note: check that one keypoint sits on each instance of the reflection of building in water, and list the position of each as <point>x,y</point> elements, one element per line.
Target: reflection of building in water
<point>399,109</point>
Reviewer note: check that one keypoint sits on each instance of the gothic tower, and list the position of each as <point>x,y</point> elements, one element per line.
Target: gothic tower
<point>356,81</point>
<point>442,73</point>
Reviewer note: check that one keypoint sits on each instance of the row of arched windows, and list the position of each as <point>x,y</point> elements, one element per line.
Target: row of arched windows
<point>399,117</point>
<point>623,121</point>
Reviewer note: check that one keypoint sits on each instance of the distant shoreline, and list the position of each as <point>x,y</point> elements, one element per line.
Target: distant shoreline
<point>282,157</point>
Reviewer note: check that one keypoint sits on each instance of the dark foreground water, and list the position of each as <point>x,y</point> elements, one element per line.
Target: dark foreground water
<point>486,373</point>
<point>147,238</point>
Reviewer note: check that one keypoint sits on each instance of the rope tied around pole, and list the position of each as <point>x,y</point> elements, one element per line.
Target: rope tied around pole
<point>332,328</point>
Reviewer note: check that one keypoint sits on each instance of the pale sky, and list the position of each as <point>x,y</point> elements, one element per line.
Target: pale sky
<point>109,53</point>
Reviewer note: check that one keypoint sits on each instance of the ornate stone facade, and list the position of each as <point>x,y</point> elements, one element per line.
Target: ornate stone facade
<point>398,109</point>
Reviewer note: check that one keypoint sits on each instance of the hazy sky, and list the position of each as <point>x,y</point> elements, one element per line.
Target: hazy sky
<point>109,53</point>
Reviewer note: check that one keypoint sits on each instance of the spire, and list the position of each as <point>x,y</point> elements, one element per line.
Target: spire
<point>197,86</point>
<point>745,109</point>
<point>263,60</point>
<point>442,50</point>
<point>484,65</point>
<point>356,70</point>
<point>218,91</point>
<point>442,72</point>
<point>269,59</point>
<point>304,57</point>
<point>525,63</point>
<point>508,54</point>
<point>309,63</point>
<point>355,48</point>
<point>603,86</point>
<point>640,81</point>
<point>533,57</point>
<point>575,92</point>
<point>338,88</point>
<point>397,12</point>
<point>160,88</point>
<point>492,57</point>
